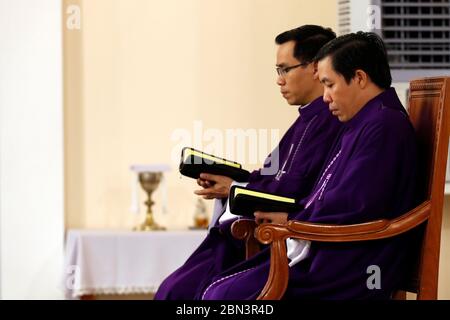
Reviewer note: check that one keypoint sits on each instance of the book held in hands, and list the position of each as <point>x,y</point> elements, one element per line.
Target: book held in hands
<point>193,162</point>
<point>245,201</point>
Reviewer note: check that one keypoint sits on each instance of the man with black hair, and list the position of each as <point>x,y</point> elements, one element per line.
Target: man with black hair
<point>369,175</point>
<point>298,160</point>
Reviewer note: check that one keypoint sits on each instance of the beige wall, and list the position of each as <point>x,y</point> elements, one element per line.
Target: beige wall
<point>73,124</point>
<point>139,69</point>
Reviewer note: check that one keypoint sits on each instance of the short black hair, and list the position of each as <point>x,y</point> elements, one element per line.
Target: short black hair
<point>362,50</point>
<point>308,40</point>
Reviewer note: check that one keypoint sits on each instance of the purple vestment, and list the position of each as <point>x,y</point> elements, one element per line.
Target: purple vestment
<point>302,152</point>
<point>370,174</point>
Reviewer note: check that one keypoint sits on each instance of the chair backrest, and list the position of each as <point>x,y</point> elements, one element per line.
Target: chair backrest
<point>429,104</point>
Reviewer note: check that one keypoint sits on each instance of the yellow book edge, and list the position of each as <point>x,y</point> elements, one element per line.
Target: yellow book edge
<point>263,195</point>
<point>189,152</point>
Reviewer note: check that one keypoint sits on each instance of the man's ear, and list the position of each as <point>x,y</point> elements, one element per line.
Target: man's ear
<point>316,71</point>
<point>361,78</point>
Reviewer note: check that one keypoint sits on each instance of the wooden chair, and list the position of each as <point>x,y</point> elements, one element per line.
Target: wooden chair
<point>429,104</point>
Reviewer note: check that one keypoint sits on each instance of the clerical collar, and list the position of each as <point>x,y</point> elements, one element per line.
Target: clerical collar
<point>305,106</point>
<point>308,111</point>
<point>387,99</point>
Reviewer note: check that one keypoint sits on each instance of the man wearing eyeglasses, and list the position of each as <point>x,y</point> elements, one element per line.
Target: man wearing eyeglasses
<point>300,156</point>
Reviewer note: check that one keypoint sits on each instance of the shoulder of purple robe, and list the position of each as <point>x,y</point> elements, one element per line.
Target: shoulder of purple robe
<point>305,165</point>
<point>375,177</point>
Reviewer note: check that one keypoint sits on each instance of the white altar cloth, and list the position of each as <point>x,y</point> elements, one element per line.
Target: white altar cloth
<point>124,262</point>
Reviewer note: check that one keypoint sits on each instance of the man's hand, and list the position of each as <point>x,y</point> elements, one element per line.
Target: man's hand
<point>271,217</point>
<point>215,187</point>
<point>204,183</point>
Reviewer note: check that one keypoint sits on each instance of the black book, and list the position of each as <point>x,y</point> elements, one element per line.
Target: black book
<point>245,201</point>
<point>193,162</point>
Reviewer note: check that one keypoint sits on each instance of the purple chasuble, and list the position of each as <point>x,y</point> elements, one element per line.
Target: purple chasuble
<point>369,174</point>
<point>301,154</point>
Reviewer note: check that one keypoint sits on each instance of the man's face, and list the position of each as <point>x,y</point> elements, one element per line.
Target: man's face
<point>341,97</point>
<point>296,85</point>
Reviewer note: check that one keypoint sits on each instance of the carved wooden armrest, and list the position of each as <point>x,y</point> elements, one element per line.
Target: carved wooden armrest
<point>276,235</point>
<point>244,229</point>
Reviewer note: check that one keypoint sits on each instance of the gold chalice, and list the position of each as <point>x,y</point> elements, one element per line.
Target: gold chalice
<point>149,182</point>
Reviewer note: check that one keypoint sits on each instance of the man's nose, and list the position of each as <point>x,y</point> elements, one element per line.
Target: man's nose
<point>326,97</point>
<point>281,81</point>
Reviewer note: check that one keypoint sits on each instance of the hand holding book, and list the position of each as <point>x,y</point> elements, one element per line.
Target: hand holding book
<point>271,217</point>
<point>214,186</point>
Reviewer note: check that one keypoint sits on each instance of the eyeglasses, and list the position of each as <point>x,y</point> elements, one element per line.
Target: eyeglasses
<point>282,71</point>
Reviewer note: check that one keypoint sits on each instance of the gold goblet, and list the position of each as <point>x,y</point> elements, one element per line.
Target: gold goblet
<point>149,182</point>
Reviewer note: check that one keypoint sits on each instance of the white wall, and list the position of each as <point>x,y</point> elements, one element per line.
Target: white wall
<point>31,149</point>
